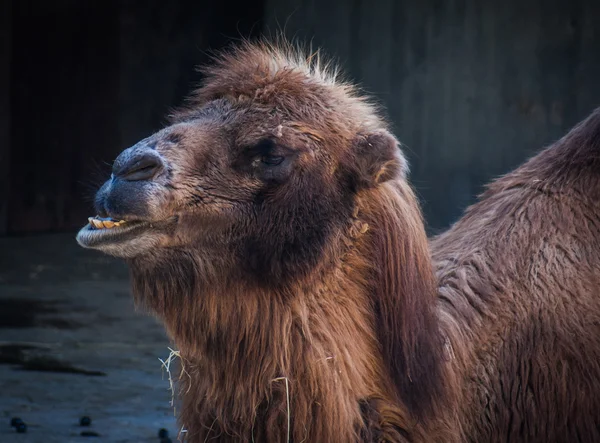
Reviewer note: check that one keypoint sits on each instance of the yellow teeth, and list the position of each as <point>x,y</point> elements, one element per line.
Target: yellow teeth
<point>99,223</point>
<point>95,223</point>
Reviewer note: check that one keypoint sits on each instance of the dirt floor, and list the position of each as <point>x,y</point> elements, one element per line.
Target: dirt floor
<point>72,345</point>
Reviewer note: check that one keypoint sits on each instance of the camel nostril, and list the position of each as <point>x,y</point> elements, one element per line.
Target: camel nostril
<point>140,168</point>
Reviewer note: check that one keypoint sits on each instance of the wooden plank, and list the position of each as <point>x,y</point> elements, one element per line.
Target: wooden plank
<point>5,65</point>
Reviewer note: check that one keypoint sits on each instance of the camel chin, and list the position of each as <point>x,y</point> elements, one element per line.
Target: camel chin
<point>121,238</point>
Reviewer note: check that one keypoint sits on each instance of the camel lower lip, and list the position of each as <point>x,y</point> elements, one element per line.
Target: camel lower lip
<point>90,237</point>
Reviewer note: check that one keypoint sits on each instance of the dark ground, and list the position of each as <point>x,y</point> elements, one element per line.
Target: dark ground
<point>71,344</point>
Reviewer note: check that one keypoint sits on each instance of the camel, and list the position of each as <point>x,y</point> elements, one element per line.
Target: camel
<point>272,228</point>
<point>519,285</point>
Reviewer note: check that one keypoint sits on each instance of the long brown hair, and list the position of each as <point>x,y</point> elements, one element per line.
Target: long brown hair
<point>404,298</point>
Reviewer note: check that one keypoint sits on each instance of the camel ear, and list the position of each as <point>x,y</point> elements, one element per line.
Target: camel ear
<point>378,158</point>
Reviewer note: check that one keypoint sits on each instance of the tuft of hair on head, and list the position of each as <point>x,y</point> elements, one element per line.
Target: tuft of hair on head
<point>253,71</point>
<point>271,57</point>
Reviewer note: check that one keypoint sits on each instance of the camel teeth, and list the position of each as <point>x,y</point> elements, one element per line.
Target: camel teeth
<point>100,223</point>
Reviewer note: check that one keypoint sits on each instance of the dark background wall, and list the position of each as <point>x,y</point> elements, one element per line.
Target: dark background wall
<point>88,79</point>
<point>472,87</point>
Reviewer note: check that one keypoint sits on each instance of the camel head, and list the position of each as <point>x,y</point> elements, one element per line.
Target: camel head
<point>275,180</point>
<point>262,166</point>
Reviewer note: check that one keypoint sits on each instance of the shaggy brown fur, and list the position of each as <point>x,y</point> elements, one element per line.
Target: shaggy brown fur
<point>519,286</point>
<point>324,298</point>
<point>286,255</point>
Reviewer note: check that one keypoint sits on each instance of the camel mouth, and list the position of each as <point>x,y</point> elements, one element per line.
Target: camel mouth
<point>100,231</point>
<point>107,233</point>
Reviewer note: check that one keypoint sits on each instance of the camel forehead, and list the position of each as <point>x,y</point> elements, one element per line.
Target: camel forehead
<point>240,124</point>
<point>271,101</point>
<point>282,109</point>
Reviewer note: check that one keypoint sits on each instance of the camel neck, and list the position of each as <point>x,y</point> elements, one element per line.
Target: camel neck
<point>261,365</point>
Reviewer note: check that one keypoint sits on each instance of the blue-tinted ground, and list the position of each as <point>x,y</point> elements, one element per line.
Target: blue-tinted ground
<point>66,309</point>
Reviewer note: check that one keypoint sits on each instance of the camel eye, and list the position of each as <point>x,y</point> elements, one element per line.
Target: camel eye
<point>271,160</point>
